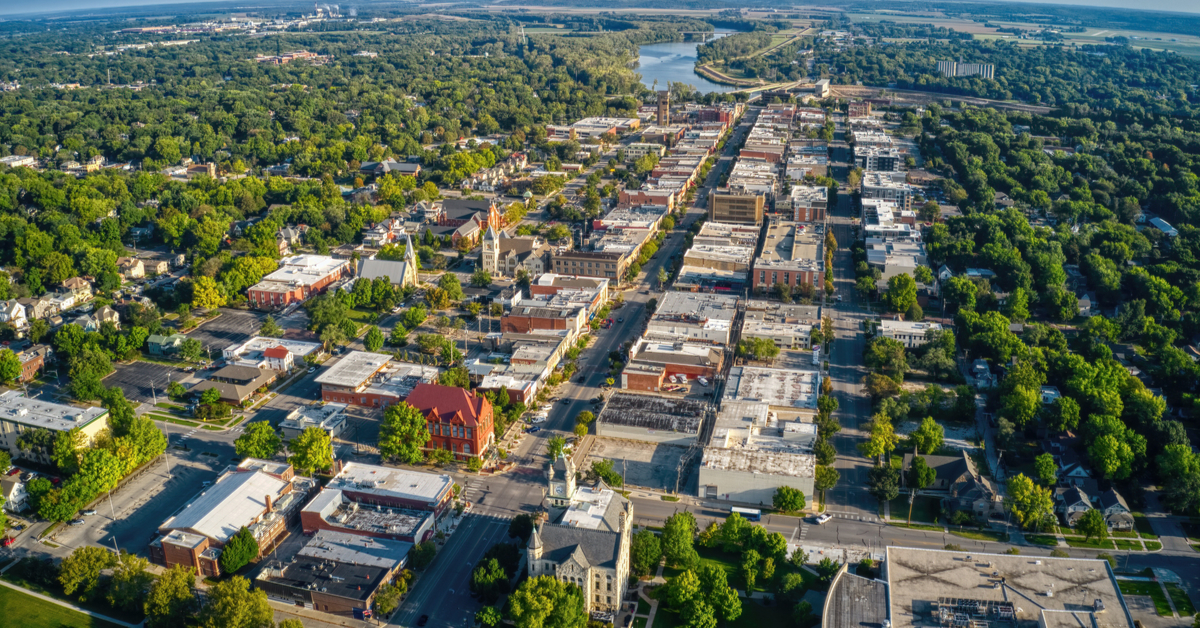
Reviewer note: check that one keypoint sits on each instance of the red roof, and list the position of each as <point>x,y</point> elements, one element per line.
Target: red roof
<point>278,351</point>
<point>446,401</point>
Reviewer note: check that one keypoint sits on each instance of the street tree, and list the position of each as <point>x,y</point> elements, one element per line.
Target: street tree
<point>883,482</point>
<point>547,602</point>
<point>678,535</point>
<point>554,447</point>
<point>258,441</point>
<point>403,434</point>
<point>129,582</point>
<point>171,601</point>
<point>1046,469</point>
<point>373,341</point>
<point>1092,524</point>
<point>788,499</point>
<point>232,604</point>
<point>825,479</point>
<point>312,450</point>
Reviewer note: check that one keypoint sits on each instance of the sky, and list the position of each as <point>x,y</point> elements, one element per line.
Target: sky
<point>24,6</point>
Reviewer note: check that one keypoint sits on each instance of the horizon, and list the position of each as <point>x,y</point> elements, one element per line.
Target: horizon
<point>50,7</point>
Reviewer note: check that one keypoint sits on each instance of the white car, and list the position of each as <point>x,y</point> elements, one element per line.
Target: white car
<point>821,519</point>
<point>539,419</point>
<point>703,381</point>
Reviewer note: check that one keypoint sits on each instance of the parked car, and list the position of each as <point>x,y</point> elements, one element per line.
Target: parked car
<point>566,401</point>
<point>620,319</point>
<point>76,522</point>
<point>312,369</point>
<point>703,381</point>
<point>87,513</point>
<point>8,540</point>
<point>539,419</point>
<point>533,430</point>
<point>822,519</point>
<point>13,471</point>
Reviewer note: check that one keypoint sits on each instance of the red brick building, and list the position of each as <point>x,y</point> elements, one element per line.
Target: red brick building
<point>297,279</point>
<point>459,421</point>
<point>523,319</point>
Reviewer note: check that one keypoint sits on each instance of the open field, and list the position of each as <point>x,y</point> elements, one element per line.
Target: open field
<point>20,609</point>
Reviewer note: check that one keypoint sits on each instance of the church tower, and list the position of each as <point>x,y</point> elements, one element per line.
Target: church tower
<point>490,258</point>
<point>410,263</point>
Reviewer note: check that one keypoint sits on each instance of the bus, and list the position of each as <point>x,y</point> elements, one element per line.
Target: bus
<point>748,514</point>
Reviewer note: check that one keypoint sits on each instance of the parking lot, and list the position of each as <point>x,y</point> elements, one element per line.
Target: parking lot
<point>140,380</point>
<point>145,502</point>
<point>231,327</point>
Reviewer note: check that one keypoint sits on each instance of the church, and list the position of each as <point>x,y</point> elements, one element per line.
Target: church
<point>400,274</point>
<point>504,256</point>
<point>589,542</point>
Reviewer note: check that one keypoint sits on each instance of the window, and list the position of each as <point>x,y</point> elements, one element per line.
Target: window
<point>468,432</point>
<point>466,448</point>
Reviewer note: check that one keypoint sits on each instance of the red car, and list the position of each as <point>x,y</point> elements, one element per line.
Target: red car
<point>13,471</point>
<point>8,540</point>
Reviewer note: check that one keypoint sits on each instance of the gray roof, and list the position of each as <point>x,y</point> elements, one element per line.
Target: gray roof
<point>854,602</point>
<point>375,268</point>
<point>597,548</point>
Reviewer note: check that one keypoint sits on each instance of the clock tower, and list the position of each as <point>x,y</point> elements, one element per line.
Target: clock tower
<point>561,479</point>
<point>490,257</point>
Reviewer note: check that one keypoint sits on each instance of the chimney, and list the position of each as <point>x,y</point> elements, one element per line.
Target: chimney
<point>268,503</point>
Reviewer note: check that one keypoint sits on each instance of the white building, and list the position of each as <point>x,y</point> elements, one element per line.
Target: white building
<point>909,333</point>
<point>327,416</point>
<point>18,413</point>
<point>269,353</point>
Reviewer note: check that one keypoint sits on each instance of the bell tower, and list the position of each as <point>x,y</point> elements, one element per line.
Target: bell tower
<point>490,258</point>
<point>562,482</point>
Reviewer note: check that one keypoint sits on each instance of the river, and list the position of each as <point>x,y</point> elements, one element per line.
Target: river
<point>675,63</point>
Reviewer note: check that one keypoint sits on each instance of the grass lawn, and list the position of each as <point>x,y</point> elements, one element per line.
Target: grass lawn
<point>1122,535</point>
<point>19,609</point>
<point>639,622</point>
<point>980,535</point>
<point>171,419</point>
<point>1079,542</point>
<point>1192,530</point>
<point>56,592</point>
<point>643,607</point>
<point>755,615</point>
<point>918,526</point>
<point>1153,546</point>
<point>925,508</point>
<point>1143,526</point>
<point>1128,546</point>
<point>1183,603</point>
<point>1161,606</point>
<point>709,556</point>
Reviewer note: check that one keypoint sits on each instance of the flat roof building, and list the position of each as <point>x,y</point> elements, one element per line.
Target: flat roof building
<point>326,416</point>
<point>696,317</point>
<point>882,185</point>
<point>380,502</point>
<point>727,234</point>
<point>18,412</point>
<point>808,203</point>
<point>254,352</point>
<point>372,380</point>
<point>789,389</point>
<point>668,360</point>
<point>725,205</point>
<point>926,586</point>
<point>791,255</point>
<point>650,418</point>
<point>909,333</point>
<point>298,278</point>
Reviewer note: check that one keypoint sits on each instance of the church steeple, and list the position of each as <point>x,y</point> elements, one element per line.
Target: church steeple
<point>410,255</point>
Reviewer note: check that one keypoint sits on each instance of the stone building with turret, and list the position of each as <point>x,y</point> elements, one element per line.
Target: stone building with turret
<point>588,542</point>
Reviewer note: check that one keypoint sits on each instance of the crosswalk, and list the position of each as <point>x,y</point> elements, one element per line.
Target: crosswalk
<point>853,516</point>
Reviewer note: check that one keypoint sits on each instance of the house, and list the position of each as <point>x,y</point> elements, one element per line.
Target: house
<point>158,265</point>
<point>1073,473</point>
<point>79,287</point>
<point>1049,395</point>
<point>1073,502</point>
<point>960,484</point>
<point>459,421</point>
<point>131,268</point>
<point>384,232</point>
<point>982,374</point>
<point>164,345</point>
<point>380,168</point>
<point>944,273</point>
<point>288,238</point>
<point>13,313</point>
<point>13,491</point>
<point>33,360</point>
<point>235,383</point>
<point>107,315</point>
<point>1116,512</point>
<point>39,307</point>
<point>1087,304</point>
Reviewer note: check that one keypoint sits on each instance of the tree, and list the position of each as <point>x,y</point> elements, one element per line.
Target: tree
<point>679,532</point>
<point>788,499</point>
<point>1031,505</point>
<point>129,582</point>
<point>1092,524</point>
<point>231,604</point>
<point>241,548</point>
<point>423,554</point>
<point>66,450</point>
<point>546,602</point>
<point>171,601</point>
<point>603,469</point>
<point>1113,457</point>
<point>883,438</point>
<point>662,277</point>
<point>733,532</point>
<point>521,527</point>
<point>311,450</point>
<point>258,441</point>
<point>1063,415</point>
<point>928,437</point>
<point>920,475</point>
<point>457,376</point>
<point>750,571</point>
<point>825,479</point>
<point>374,339</point>
<point>682,590</point>
<point>901,292</point>
<point>191,349</point>
<point>555,446</point>
<point>887,356</point>
<point>403,434</point>
<point>270,328</point>
<point>1047,470</point>
<point>10,366</point>
<point>481,278</point>
<point>757,348</point>
<point>450,283</point>
<point>824,451</point>
<point>489,580</point>
<point>645,553</point>
<point>206,294</point>
<point>489,617</point>
<point>80,572</point>
<point>883,482</point>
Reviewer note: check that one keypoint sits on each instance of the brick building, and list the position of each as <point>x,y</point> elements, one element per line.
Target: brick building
<point>297,279</point>
<point>379,502</point>
<point>371,380</point>
<point>612,265</point>
<point>523,319</point>
<point>459,421</point>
